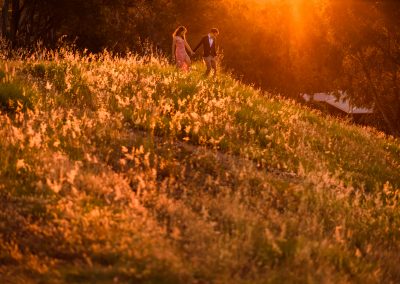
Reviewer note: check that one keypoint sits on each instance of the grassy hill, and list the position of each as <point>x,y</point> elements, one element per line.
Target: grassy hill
<point>124,170</point>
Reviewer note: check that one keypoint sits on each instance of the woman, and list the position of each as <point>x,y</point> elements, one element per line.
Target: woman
<point>179,46</point>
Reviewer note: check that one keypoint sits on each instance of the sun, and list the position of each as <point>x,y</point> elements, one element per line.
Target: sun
<point>297,16</point>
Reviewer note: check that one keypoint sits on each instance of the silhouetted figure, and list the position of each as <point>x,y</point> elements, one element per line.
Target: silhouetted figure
<point>209,43</point>
<point>179,46</point>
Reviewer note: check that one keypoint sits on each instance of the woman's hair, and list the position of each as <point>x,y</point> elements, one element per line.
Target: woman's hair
<point>180,31</point>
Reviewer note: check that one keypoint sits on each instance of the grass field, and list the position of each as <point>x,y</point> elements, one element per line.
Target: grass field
<point>123,170</point>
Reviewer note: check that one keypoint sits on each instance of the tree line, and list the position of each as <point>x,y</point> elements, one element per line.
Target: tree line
<point>283,46</point>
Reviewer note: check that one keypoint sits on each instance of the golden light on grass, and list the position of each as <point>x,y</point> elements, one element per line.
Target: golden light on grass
<point>126,170</point>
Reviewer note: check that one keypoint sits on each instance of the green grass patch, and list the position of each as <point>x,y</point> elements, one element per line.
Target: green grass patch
<point>130,171</point>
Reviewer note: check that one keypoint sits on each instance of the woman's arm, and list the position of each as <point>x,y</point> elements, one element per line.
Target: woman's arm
<point>173,48</point>
<point>188,47</point>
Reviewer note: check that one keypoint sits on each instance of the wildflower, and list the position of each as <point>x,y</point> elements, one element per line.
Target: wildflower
<point>72,174</point>
<point>48,86</point>
<point>21,164</point>
<point>54,186</point>
<point>56,143</point>
<point>122,162</point>
<point>194,115</point>
<point>207,117</point>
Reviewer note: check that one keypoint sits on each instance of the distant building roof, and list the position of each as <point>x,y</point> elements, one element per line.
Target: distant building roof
<point>340,103</point>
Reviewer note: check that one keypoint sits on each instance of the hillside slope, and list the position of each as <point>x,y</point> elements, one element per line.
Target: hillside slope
<point>124,170</point>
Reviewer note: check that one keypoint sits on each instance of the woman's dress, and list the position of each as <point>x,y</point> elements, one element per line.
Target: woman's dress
<point>182,58</point>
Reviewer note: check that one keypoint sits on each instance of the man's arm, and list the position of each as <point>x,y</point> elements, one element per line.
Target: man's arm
<point>197,47</point>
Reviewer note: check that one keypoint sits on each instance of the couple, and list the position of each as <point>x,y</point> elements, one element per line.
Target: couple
<point>182,59</point>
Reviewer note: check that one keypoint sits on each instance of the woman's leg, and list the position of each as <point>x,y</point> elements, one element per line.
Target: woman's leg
<point>180,60</point>
<point>188,62</point>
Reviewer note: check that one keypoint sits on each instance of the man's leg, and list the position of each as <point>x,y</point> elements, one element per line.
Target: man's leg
<point>213,62</point>
<point>207,61</point>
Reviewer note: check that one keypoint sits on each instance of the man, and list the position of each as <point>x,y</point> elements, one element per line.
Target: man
<point>209,43</point>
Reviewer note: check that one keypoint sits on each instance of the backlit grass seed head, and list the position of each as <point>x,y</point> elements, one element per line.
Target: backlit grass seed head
<point>121,181</point>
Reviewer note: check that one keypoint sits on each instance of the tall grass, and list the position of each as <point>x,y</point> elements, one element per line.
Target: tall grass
<point>125,170</point>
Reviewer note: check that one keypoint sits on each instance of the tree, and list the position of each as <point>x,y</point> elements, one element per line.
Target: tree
<point>30,21</point>
<point>369,36</point>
